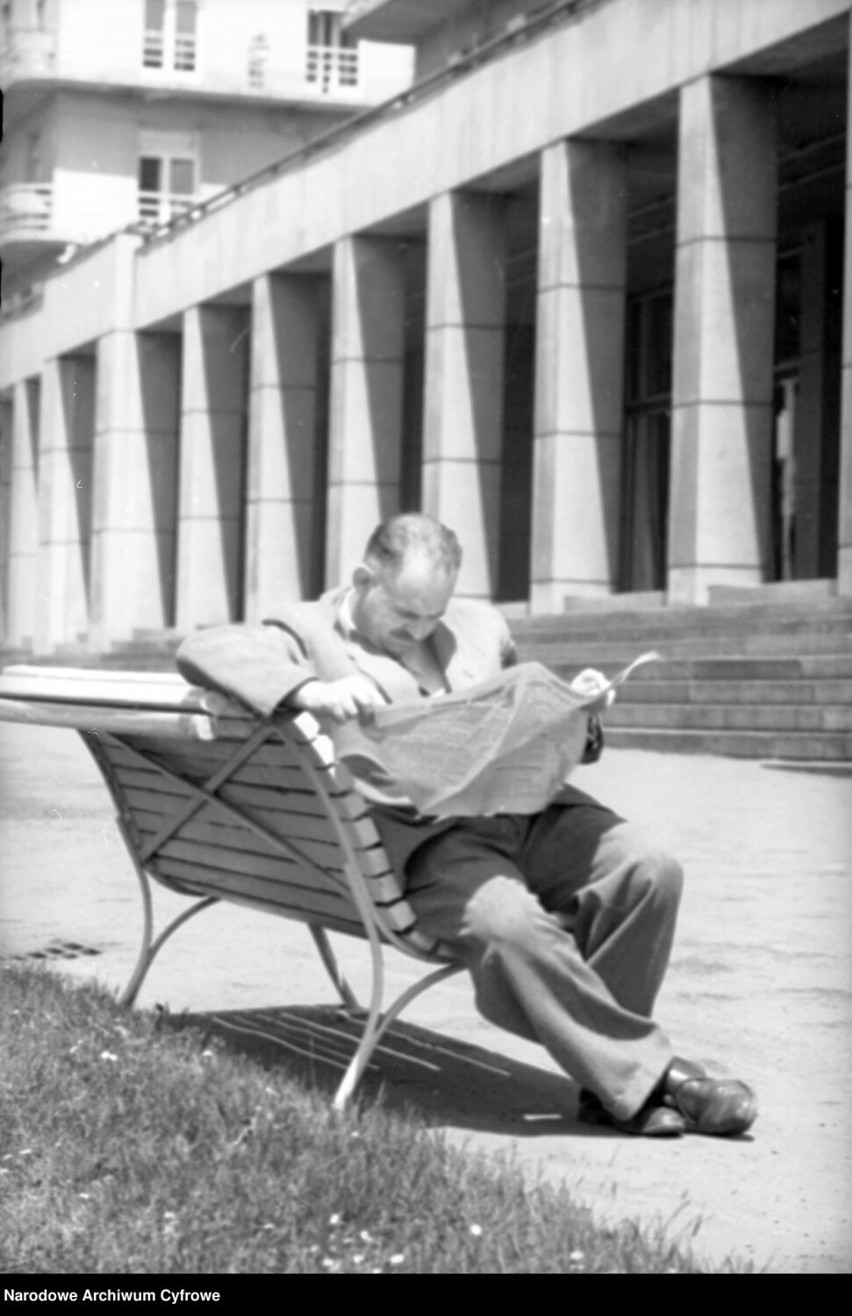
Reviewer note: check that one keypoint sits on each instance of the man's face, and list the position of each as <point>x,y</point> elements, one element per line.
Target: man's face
<point>397,612</point>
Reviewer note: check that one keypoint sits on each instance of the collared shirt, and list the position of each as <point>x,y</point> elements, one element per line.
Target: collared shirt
<point>420,660</point>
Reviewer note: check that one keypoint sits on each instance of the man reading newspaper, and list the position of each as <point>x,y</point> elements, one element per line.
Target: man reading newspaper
<point>564,915</point>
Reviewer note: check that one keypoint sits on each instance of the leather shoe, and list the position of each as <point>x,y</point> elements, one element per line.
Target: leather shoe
<point>717,1106</point>
<point>652,1120</point>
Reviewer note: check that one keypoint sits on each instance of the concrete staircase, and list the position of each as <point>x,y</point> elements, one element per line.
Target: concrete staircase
<point>755,679</point>
<point>757,674</point>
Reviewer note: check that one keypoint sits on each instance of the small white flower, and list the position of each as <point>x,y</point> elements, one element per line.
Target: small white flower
<point>397,1259</point>
<point>108,1055</point>
<point>476,1230</point>
<point>576,1256</point>
<point>334,1219</point>
<point>365,1236</point>
<point>85,1196</point>
<point>358,1258</point>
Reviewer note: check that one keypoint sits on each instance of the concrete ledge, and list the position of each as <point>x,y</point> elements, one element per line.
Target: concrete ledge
<point>779,591</point>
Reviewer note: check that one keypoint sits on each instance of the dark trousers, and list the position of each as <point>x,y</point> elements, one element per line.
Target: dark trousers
<point>565,920</point>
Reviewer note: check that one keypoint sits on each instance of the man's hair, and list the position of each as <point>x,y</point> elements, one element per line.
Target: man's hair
<point>392,541</point>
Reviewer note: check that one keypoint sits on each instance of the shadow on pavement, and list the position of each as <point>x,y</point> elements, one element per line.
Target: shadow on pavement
<point>414,1070</point>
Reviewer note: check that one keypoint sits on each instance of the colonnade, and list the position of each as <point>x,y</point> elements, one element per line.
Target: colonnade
<point>188,474</point>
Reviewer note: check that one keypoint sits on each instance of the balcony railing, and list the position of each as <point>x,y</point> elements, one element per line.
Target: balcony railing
<point>159,207</point>
<point>153,49</point>
<point>26,211</point>
<point>332,68</point>
<point>157,53</point>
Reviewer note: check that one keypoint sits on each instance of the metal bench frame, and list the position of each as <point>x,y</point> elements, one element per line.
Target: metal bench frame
<point>111,709</point>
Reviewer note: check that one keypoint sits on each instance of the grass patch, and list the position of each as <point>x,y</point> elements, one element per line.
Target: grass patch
<point>129,1148</point>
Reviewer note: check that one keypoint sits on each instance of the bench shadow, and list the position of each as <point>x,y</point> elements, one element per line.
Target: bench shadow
<point>440,1080</point>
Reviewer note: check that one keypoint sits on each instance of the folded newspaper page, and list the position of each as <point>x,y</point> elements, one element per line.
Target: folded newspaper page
<point>504,746</point>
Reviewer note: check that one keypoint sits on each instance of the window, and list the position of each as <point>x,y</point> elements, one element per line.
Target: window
<point>170,39</point>
<point>332,54</point>
<point>154,44</point>
<point>166,187</point>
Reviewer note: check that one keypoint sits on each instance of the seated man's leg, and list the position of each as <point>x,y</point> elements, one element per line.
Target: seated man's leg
<point>614,887</point>
<point>530,976</point>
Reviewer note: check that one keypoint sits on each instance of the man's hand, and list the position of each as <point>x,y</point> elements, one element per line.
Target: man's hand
<point>590,683</point>
<point>351,696</point>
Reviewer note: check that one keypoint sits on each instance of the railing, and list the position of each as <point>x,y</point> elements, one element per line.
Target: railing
<point>185,49</point>
<point>152,49</point>
<point>26,211</point>
<point>160,207</point>
<point>332,67</point>
<point>182,54</point>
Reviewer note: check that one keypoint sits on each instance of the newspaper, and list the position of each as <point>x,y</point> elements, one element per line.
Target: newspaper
<point>503,746</point>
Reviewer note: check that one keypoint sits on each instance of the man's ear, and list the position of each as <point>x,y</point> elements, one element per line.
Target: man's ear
<point>362,578</point>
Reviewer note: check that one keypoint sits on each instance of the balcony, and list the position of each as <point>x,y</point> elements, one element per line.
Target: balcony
<point>332,68</point>
<point>26,213</point>
<point>157,208</point>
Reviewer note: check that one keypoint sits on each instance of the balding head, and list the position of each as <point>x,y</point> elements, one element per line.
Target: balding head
<point>405,582</point>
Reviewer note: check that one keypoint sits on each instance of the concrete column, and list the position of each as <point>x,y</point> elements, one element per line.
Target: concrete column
<point>23,516</point>
<point>722,425</point>
<point>284,496</point>
<point>212,466</point>
<point>844,519</point>
<point>463,388</point>
<point>579,370</point>
<point>65,502</point>
<point>6,426</point>
<point>136,447</point>
<point>365,427</point>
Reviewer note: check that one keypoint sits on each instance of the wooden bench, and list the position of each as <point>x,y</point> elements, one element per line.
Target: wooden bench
<point>217,804</point>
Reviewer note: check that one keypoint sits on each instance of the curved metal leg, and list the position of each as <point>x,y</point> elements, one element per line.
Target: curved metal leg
<point>410,994</point>
<point>367,1045</point>
<point>329,959</point>
<point>149,948</point>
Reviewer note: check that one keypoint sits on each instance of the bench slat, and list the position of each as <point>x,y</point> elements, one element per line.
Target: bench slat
<point>331,910</point>
<point>277,776</point>
<point>301,818</point>
<point>243,851</point>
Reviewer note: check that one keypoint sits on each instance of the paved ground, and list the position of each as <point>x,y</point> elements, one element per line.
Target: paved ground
<point>760,986</point>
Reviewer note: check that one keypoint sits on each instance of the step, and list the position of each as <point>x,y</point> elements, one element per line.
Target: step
<point>778,591</point>
<point>588,652</point>
<point>816,718</point>
<point>665,620</point>
<point>729,633</point>
<point>736,744</point>
<point>737,691</point>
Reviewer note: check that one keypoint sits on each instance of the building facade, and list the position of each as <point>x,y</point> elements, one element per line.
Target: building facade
<point>581,292</point>
<point>131,112</point>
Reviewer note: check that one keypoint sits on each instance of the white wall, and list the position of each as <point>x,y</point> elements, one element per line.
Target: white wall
<point>101,41</point>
